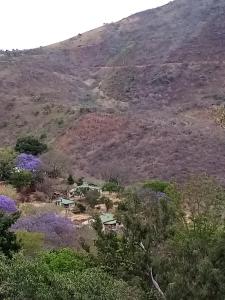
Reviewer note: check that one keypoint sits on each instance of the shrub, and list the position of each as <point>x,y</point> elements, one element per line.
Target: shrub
<point>70,180</point>
<point>7,156</point>
<point>112,186</point>
<point>31,242</point>
<point>156,185</point>
<point>66,260</point>
<point>21,179</point>
<point>30,145</point>
<point>8,241</point>
<point>92,197</point>
<point>80,181</point>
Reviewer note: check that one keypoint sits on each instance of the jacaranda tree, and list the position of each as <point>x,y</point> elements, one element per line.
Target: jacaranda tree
<point>28,162</point>
<point>58,231</point>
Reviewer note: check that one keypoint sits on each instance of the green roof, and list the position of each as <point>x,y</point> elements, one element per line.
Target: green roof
<point>65,201</point>
<point>108,219</point>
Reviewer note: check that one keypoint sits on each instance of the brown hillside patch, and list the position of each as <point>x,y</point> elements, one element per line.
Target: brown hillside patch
<point>158,73</point>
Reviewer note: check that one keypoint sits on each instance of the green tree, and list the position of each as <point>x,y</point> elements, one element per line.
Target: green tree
<point>112,186</point>
<point>70,180</point>
<point>60,275</point>
<point>8,241</point>
<point>148,222</point>
<point>172,244</point>
<point>7,157</point>
<point>21,179</point>
<point>30,145</point>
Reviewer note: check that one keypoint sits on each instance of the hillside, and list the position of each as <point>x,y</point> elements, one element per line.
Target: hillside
<point>136,95</point>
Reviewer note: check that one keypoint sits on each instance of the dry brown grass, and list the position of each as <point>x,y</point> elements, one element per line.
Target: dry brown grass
<point>151,71</point>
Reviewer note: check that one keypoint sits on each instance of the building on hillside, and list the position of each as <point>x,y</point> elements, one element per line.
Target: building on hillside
<point>108,222</point>
<point>65,203</point>
<point>80,190</point>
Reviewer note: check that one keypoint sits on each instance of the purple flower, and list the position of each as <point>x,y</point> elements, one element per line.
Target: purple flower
<point>59,231</point>
<point>7,204</point>
<point>28,162</point>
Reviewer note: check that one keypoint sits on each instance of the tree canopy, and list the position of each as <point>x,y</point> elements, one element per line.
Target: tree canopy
<point>30,145</point>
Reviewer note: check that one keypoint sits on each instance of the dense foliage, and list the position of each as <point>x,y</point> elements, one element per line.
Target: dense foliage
<point>70,180</point>
<point>7,157</point>
<point>60,275</point>
<point>8,241</point>
<point>172,244</point>
<point>30,145</point>
<point>31,242</point>
<point>156,185</point>
<point>112,186</point>
<point>21,179</point>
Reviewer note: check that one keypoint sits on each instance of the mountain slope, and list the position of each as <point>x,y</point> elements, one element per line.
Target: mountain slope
<point>136,95</point>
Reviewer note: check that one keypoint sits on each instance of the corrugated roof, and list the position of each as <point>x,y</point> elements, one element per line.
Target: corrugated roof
<point>65,201</point>
<point>108,219</point>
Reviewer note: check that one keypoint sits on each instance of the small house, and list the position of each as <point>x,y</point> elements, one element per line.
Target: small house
<point>66,203</point>
<point>82,189</point>
<point>108,221</point>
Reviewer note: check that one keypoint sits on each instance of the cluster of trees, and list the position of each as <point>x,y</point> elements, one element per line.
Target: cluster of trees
<point>59,274</point>
<point>172,245</point>
<point>31,166</point>
<point>20,166</point>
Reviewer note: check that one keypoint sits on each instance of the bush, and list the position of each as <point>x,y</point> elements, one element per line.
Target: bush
<point>112,186</point>
<point>80,181</point>
<point>156,185</point>
<point>108,203</point>
<point>92,198</point>
<point>7,157</point>
<point>70,180</point>
<point>8,241</point>
<point>81,207</point>
<point>31,242</point>
<point>21,179</point>
<point>30,145</point>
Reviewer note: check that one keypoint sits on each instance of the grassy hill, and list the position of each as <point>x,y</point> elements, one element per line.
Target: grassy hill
<point>137,95</point>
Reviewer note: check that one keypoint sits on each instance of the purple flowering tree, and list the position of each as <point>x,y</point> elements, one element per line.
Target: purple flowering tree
<point>28,162</point>
<point>7,205</point>
<point>59,231</point>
